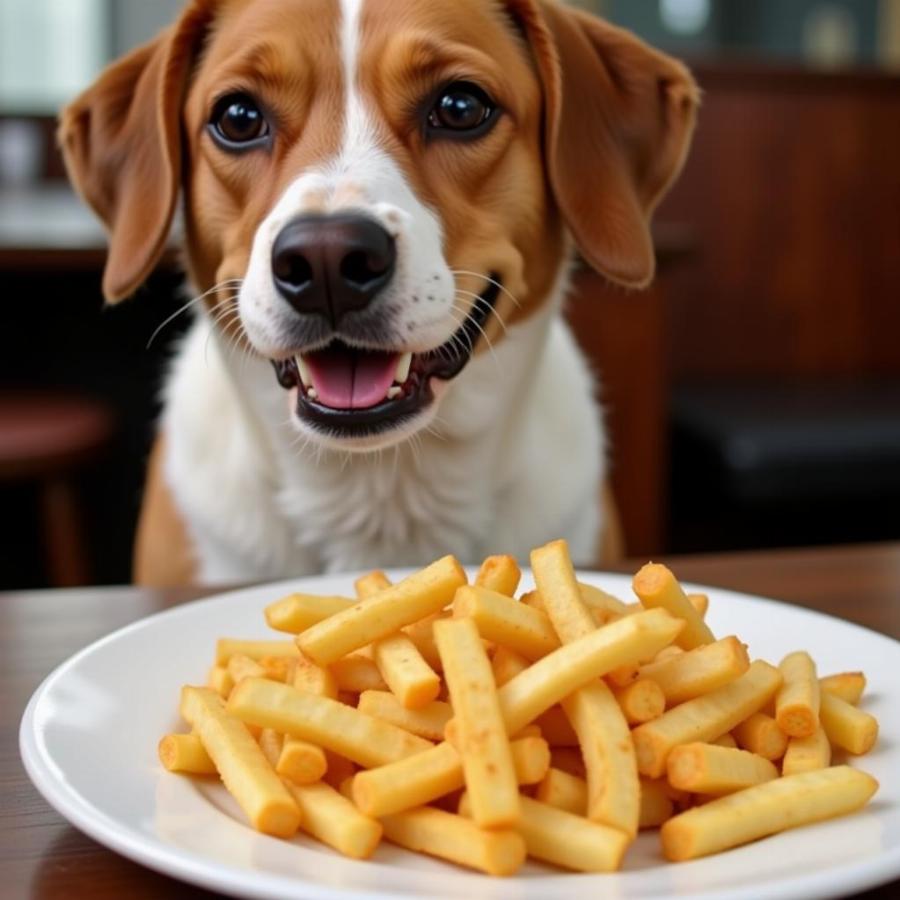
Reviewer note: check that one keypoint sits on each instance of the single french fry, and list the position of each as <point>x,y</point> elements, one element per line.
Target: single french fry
<point>410,678</point>
<point>556,728</point>
<point>506,664</point>
<point>297,612</point>
<point>220,681</point>
<point>314,679</point>
<point>500,574</point>
<point>334,820</point>
<point>457,839</point>
<point>609,759</point>
<point>761,735</point>
<point>688,675</point>
<point>708,769</point>
<point>531,759</point>
<point>228,647</point>
<point>564,791</point>
<point>483,743</point>
<point>371,584</point>
<point>807,754</point>
<point>657,805</point>
<point>241,666</point>
<point>427,722</point>
<point>570,760</point>
<point>847,727</point>
<point>797,700</point>
<point>700,602</point>
<point>532,730</point>
<point>704,718</point>
<point>534,600</point>
<point>300,761</point>
<point>506,621</point>
<point>766,809</point>
<point>668,653</point>
<point>656,586</point>
<point>357,673</point>
<point>560,673</point>
<point>184,753</point>
<point>726,740</point>
<point>559,837</point>
<point>849,686</point>
<point>320,720</point>
<point>422,594</point>
<point>641,701</point>
<point>554,576</point>
<point>244,770</point>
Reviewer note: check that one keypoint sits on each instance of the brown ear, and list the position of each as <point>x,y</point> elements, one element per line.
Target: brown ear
<point>618,121</point>
<point>121,140</point>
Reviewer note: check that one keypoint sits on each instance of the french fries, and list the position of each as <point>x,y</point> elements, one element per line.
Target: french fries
<point>766,809</point>
<point>241,764</point>
<point>459,722</point>
<point>482,740</point>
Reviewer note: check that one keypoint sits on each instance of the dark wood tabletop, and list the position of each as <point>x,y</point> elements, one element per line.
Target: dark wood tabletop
<point>43,857</point>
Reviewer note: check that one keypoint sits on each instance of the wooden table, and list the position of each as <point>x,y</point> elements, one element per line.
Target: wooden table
<point>41,856</point>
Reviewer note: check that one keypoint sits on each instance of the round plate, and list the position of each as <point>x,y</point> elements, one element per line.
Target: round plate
<point>88,739</point>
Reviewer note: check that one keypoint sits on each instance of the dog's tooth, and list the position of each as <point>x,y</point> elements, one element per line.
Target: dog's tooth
<point>393,393</point>
<point>403,368</point>
<point>303,369</point>
<point>312,394</point>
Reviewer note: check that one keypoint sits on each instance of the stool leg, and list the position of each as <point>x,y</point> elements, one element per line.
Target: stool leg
<point>66,557</point>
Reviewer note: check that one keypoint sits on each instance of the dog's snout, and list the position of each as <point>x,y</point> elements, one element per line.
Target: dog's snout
<point>332,265</point>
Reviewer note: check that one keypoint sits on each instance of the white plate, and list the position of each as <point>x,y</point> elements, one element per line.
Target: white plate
<point>89,736</point>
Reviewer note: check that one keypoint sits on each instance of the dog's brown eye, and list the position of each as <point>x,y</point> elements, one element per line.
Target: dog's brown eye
<point>461,108</point>
<point>237,122</point>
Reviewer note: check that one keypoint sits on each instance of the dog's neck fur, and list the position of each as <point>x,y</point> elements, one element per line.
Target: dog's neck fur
<point>315,510</point>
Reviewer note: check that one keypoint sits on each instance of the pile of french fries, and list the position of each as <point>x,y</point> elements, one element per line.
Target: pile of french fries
<point>457,721</point>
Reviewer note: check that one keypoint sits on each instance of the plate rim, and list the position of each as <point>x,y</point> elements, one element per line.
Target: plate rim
<point>187,866</point>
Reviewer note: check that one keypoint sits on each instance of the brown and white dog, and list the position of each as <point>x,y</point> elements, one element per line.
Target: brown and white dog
<point>380,199</point>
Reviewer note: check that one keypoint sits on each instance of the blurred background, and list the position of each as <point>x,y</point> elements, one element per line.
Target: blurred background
<point>753,393</point>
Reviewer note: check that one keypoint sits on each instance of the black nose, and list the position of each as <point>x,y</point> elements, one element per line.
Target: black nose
<point>330,265</point>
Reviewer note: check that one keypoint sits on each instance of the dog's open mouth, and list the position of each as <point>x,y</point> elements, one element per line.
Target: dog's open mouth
<point>355,392</point>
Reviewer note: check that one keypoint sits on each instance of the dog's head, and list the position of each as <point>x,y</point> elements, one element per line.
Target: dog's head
<point>372,187</point>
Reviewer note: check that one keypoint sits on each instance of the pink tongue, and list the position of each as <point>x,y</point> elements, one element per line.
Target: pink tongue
<point>351,379</point>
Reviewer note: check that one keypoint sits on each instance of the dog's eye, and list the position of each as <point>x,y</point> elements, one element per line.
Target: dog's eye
<point>461,107</point>
<point>237,122</point>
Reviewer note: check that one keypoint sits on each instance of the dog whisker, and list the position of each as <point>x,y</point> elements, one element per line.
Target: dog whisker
<point>231,283</point>
<point>492,281</point>
<point>480,302</point>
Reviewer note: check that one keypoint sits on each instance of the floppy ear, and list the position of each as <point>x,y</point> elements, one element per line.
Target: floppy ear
<point>618,121</point>
<point>121,140</point>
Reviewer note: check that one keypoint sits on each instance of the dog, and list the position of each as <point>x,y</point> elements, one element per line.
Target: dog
<point>381,201</point>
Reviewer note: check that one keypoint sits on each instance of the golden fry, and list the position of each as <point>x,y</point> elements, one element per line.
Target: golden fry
<point>427,722</point>
<point>641,701</point>
<point>322,721</point>
<point>220,681</point>
<point>506,621</point>
<point>228,647</point>
<point>297,612</point>
<point>657,805</point>
<point>656,587</point>
<point>412,681</point>
<point>184,753</point>
<point>483,743</point>
<point>761,735</point>
<point>500,574</point>
<point>555,579</point>
<point>846,726</point>
<point>314,679</point>
<point>422,594</point>
<point>849,686</point>
<point>357,673</point>
<point>371,584</point>
<point>454,838</point>
<point>684,676</point>
<point>766,809</point>
<point>708,769</point>
<point>245,771</point>
<point>564,791</point>
<point>506,664</point>
<point>797,700</point>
